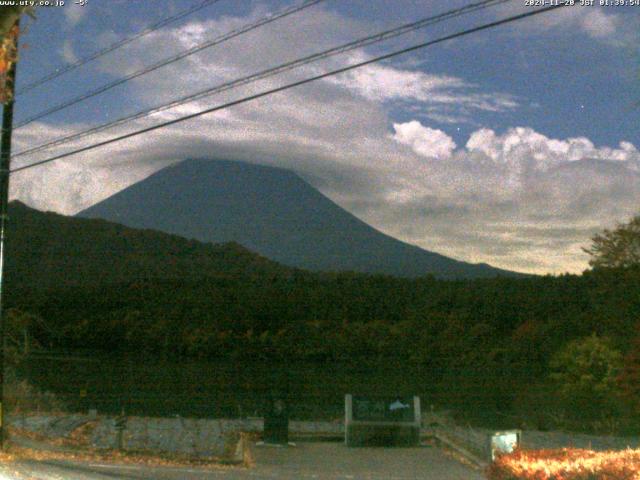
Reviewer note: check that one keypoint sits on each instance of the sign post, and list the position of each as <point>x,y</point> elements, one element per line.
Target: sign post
<point>504,442</point>
<point>120,424</point>
<point>382,421</point>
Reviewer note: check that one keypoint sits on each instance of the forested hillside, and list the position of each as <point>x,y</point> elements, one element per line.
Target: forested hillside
<point>494,343</point>
<point>47,249</point>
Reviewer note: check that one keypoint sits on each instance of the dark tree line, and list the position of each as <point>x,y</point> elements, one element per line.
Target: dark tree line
<point>505,344</point>
<point>497,338</point>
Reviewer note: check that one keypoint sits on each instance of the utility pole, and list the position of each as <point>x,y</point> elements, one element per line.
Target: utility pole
<point>5,167</point>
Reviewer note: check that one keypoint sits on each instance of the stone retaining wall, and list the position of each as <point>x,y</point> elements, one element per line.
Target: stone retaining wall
<point>204,437</point>
<point>199,437</point>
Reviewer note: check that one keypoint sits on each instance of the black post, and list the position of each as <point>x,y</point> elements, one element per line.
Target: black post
<point>5,166</point>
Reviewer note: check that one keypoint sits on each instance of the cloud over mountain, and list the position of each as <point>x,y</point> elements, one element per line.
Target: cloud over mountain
<point>511,197</point>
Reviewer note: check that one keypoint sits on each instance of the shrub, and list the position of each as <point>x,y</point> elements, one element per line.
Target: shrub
<point>584,373</point>
<point>21,397</point>
<point>566,464</point>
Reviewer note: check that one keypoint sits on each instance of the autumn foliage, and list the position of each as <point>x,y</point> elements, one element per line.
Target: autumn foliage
<point>566,464</point>
<point>8,56</point>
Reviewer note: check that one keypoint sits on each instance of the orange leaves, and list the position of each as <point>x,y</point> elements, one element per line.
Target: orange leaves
<point>566,464</point>
<point>8,56</point>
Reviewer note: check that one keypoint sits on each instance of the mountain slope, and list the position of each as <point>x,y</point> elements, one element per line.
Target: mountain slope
<point>273,212</point>
<point>46,250</point>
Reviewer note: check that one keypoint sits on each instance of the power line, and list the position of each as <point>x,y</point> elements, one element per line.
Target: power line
<point>184,54</point>
<point>363,42</point>
<point>271,72</point>
<point>294,84</point>
<point>121,43</point>
<point>291,85</point>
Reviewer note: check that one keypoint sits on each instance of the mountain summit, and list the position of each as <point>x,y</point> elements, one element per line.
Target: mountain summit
<point>273,212</point>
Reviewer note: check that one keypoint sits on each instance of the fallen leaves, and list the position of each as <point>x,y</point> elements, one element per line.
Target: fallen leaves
<point>566,464</point>
<point>75,450</point>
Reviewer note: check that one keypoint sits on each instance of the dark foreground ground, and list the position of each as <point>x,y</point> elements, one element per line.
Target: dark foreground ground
<point>321,461</point>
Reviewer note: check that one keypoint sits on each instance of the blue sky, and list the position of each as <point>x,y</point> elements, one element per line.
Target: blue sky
<point>511,147</point>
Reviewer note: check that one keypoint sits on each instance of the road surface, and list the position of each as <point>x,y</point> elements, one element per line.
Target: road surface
<point>320,461</point>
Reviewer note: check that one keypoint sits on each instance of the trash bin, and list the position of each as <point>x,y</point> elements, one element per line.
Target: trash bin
<point>276,422</point>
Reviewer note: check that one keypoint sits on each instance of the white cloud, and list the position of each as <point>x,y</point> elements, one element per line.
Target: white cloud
<point>384,83</point>
<point>525,146</point>
<point>380,82</point>
<point>599,24</point>
<point>424,140</point>
<point>74,13</point>
<point>515,199</point>
<point>68,54</point>
<point>613,26</point>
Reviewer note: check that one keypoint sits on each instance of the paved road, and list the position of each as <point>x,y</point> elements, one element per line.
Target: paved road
<point>320,461</point>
